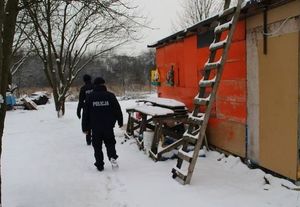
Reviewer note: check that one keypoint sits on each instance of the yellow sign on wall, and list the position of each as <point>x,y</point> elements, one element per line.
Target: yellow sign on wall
<point>155,78</point>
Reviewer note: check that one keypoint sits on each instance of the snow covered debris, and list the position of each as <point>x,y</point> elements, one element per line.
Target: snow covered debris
<point>153,110</point>
<point>165,102</point>
<point>148,138</point>
<point>39,97</point>
<point>55,169</point>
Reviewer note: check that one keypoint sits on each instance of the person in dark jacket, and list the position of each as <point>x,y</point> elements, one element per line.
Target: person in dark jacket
<point>84,91</point>
<point>102,112</point>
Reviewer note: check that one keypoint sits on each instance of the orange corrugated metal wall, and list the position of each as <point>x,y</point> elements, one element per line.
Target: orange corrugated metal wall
<point>188,61</point>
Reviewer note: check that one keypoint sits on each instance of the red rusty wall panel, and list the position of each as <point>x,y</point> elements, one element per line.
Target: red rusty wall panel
<point>237,53</point>
<point>202,57</point>
<point>167,56</point>
<point>226,127</point>
<point>240,32</point>
<point>160,61</point>
<point>190,65</point>
<point>183,94</point>
<point>180,74</point>
<point>233,111</point>
<point>227,135</point>
<point>232,90</point>
<point>235,71</point>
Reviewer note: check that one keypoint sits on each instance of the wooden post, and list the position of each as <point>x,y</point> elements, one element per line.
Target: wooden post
<point>143,125</point>
<point>156,137</point>
<point>129,128</point>
<point>226,4</point>
<point>265,31</point>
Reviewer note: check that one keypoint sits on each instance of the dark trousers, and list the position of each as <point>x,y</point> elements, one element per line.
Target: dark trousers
<point>89,137</point>
<point>108,138</point>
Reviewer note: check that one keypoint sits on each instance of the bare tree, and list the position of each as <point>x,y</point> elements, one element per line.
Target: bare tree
<point>21,47</point>
<point>18,59</point>
<point>8,15</point>
<point>67,30</point>
<point>194,11</point>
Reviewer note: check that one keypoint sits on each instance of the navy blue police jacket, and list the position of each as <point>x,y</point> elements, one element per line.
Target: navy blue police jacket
<point>84,91</point>
<point>102,111</point>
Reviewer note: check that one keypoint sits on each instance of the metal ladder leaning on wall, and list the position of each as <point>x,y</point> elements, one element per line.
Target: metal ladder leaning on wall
<point>204,100</point>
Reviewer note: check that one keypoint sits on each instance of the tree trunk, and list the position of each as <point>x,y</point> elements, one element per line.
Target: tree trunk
<point>8,16</point>
<point>9,79</point>
<point>2,118</point>
<point>60,107</point>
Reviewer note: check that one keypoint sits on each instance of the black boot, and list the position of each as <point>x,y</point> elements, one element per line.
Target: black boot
<point>99,167</point>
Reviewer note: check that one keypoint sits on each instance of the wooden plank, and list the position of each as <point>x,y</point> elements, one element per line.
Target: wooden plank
<point>129,128</point>
<point>139,142</point>
<point>170,147</point>
<point>29,104</point>
<point>153,156</point>
<point>226,4</point>
<point>298,174</point>
<point>279,105</point>
<point>275,14</point>
<point>127,136</point>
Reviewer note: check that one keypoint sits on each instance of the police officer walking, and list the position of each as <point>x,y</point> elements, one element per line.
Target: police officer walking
<point>102,112</point>
<point>84,91</point>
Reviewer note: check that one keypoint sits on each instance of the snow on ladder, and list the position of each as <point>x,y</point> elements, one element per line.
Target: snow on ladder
<point>208,86</point>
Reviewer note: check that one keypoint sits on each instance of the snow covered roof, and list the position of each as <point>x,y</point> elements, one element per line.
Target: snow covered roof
<point>181,34</point>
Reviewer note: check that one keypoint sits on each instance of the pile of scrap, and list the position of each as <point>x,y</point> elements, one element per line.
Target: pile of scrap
<point>39,98</point>
<point>31,102</point>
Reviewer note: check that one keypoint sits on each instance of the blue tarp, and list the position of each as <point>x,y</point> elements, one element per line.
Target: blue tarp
<point>10,100</point>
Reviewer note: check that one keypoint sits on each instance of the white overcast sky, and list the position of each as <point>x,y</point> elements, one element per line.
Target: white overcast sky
<point>161,13</point>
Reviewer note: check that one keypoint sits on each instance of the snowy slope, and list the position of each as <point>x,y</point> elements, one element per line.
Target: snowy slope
<point>46,163</point>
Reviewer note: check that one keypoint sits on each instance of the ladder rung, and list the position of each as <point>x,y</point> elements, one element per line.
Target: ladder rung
<point>197,119</point>
<point>191,139</point>
<point>194,122</point>
<point>218,45</point>
<point>223,27</point>
<point>209,66</point>
<point>179,173</point>
<point>201,101</point>
<point>227,12</point>
<point>206,83</point>
<point>187,156</point>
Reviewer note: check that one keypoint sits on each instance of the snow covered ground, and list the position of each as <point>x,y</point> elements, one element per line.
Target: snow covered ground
<point>46,163</point>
